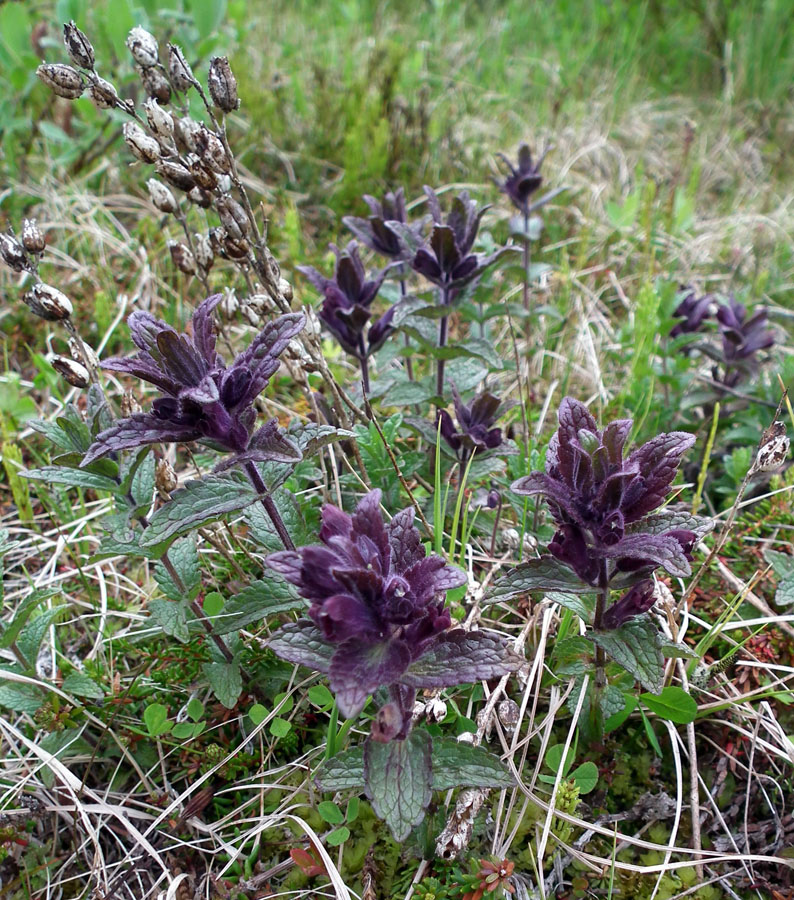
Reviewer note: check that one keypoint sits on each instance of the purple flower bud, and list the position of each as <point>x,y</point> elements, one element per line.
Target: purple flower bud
<point>636,601</point>
<point>523,180</point>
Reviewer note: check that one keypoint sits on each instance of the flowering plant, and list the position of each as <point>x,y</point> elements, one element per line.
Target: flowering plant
<point>202,398</point>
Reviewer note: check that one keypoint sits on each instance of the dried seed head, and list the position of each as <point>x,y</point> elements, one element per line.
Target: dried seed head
<point>62,80</point>
<point>70,370</point>
<point>13,253</point>
<point>210,148</point>
<point>235,249</point>
<point>222,84</point>
<point>186,131</point>
<point>160,120</point>
<point>285,289</point>
<point>165,479</point>
<point>78,46</point>
<point>200,197</point>
<point>103,94</point>
<point>143,147</point>
<point>175,174</point>
<point>436,710</point>
<point>32,238</point>
<point>230,304</point>
<point>162,197</point>
<point>182,258</point>
<point>78,348</point>
<point>179,70</point>
<point>224,184</point>
<point>129,405</point>
<point>204,176</point>
<point>143,47</point>
<point>508,713</point>
<point>48,302</point>
<point>232,216</point>
<point>203,251</point>
<point>254,318</point>
<point>155,83</point>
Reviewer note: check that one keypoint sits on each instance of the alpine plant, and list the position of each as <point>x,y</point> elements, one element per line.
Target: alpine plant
<point>377,616</point>
<point>602,500</point>
<point>476,429</point>
<point>346,308</point>
<point>202,399</point>
<point>377,231</point>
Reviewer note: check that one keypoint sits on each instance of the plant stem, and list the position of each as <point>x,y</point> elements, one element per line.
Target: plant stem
<point>409,365</point>
<point>526,260</point>
<point>362,361</point>
<point>601,605</point>
<point>270,507</point>
<point>198,612</point>
<point>442,342</point>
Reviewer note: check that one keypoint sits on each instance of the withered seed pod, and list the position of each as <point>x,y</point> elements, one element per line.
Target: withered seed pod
<point>143,147</point>
<point>232,216</point>
<point>165,479</point>
<point>143,47</point>
<point>210,148</point>
<point>78,46</point>
<point>182,258</point>
<point>62,80</point>
<point>155,83</point>
<point>222,84</point>
<point>162,197</point>
<point>200,197</point>
<point>236,249</point>
<point>75,373</point>
<point>13,253</point>
<point>178,69</point>
<point>203,251</point>
<point>205,177</point>
<point>103,94</point>
<point>175,174</point>
<point>48,302</point>
<point>129,405</point>
<point>186,131</point>
<point>160,120</point>
<point>32,238</point>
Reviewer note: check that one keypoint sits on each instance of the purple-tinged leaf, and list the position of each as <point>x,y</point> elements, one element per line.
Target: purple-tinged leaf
<point>302,643</point>
<point>459,657</point>
<point>398,781</point>
<point>342,772</point>
<point>544,574</point>
<point>359,667</point>
<point>670,520</point>
<point>197,503</point>
<point>135,431</point>
<point>658,550</point>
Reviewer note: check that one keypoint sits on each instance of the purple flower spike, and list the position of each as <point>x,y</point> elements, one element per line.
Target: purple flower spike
<point>599,498</point>
<point>693,310</point>
<point>523,180</point>
<point>374,596</point>
<point>377,231</point>
<point>347,301</point>
<point>202,398</point>
<point>476,431</point>
<point>446,259</point>
<point>742,338</point>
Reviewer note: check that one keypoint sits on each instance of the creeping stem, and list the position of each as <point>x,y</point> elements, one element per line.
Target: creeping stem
<point>270,507</point>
